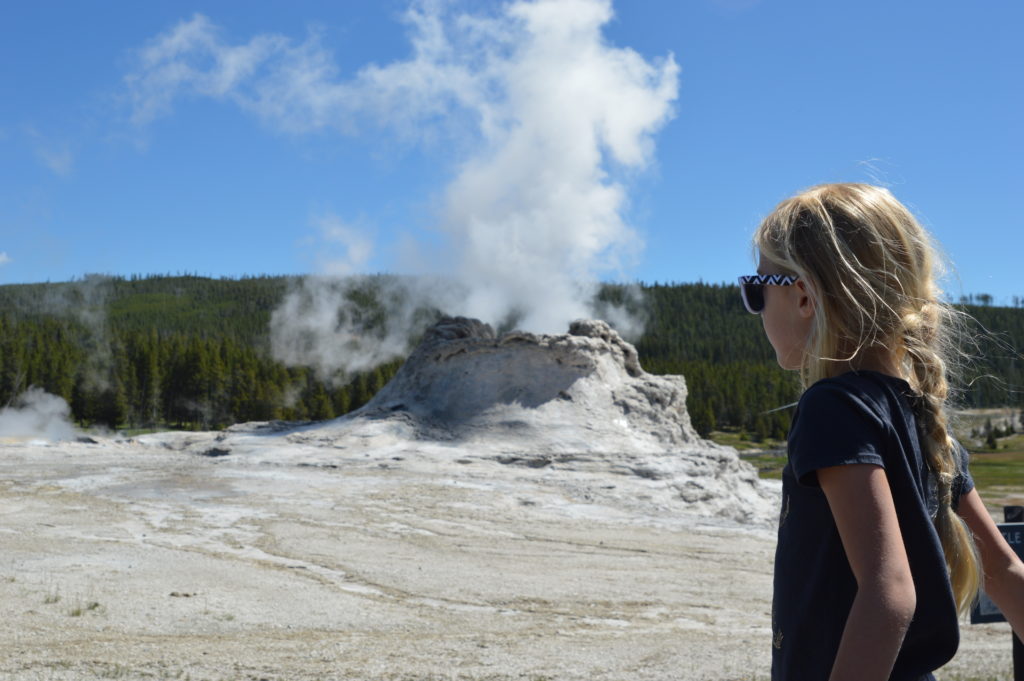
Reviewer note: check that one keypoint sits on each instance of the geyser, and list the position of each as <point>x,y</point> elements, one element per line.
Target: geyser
<point>577,405</point>
<point>574,392</point>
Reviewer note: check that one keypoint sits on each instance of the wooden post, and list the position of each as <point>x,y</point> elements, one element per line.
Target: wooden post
<point>1015,514</point>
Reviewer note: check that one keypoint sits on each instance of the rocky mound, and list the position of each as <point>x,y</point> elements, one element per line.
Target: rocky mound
<point>582,391</point>
<point>574,410</point>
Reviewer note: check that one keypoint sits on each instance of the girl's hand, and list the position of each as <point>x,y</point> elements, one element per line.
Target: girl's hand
<point>862,505</point>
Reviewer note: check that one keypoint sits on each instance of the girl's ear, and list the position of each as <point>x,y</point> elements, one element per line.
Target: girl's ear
<point>805,300</point>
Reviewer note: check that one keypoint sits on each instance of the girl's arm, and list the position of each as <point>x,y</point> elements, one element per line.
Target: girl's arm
<point>862,505</point>
<point>1004,572</point>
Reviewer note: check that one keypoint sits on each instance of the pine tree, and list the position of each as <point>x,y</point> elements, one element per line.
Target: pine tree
<point>320,407</point>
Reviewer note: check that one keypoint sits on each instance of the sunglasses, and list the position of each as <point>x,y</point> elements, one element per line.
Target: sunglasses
<point>752,288</point>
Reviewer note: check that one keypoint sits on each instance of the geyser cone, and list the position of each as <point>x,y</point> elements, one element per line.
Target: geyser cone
<point>583,391</point>
<point>577,408</point>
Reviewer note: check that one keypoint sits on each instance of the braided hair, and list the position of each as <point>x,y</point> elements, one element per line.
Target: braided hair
<point>871,269</point>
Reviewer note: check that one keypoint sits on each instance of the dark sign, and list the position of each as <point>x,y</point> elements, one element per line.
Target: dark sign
<point>984,610</point>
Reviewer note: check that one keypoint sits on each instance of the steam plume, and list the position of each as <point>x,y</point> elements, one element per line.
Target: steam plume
<point>549,121</point>
<point>85,301</point>
<point>37,414</point>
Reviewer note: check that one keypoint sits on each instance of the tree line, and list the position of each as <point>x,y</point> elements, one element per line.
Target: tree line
<point>149,379</point>
<point>193,352</point>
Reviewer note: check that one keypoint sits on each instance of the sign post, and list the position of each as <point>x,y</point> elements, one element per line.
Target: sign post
<point>984,610</point>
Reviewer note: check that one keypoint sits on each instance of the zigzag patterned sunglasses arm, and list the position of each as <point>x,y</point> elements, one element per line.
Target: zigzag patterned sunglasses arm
<point>752,288</point>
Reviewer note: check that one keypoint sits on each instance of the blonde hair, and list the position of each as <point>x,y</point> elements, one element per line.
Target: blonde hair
<point>871,270</point>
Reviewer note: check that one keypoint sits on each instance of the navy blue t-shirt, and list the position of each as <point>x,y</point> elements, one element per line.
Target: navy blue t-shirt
<point>858,417</point>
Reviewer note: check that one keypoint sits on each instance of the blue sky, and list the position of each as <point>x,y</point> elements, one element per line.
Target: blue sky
<point>109,164</point>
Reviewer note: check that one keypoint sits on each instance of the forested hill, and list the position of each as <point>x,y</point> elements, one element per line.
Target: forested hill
<point>196,306</point>
<point>188,351</point>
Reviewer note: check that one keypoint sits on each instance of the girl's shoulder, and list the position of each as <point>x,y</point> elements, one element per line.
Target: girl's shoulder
<point>872,394</point>
<point>851,418</point>
<point>860,391</point>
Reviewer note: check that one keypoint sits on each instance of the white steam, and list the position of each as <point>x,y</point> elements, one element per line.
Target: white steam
<point>549,119</point>
<point>351,324</point>
<point>85,301</point>
<point>36,414</point>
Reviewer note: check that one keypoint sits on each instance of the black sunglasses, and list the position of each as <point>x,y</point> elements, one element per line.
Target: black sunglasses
<point>752,288</point>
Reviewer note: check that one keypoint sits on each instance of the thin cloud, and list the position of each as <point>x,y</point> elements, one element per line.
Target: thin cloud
<point>55,156</point>
<point>345,249</point>
<point>61,161</point>
<point>190,59</point>
<point>4,258</point>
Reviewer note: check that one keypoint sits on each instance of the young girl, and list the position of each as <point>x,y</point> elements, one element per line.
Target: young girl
<point>882,536</point>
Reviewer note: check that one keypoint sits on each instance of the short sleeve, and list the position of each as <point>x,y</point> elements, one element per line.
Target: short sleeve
<point>833,428</point>
<point>963,483</point>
